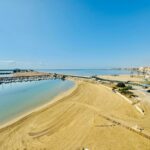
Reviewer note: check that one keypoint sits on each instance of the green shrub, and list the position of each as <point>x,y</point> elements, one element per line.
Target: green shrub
<point>128,87</point>
<point>121,84</point>
<point>125,91</point>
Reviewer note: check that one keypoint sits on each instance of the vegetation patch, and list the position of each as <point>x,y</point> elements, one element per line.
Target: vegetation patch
<point>123,89</point>
<point>121,84</point>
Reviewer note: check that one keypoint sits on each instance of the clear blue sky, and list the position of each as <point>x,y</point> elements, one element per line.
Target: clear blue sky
<point>74,33</point>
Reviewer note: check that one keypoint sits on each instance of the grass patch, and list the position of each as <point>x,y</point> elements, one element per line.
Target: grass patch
<point>123,89</point>
<point>126,91</point>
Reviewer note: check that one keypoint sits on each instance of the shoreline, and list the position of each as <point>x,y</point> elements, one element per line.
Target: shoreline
<point>55,99</point>
<point>87,115</point>
<point>52,101</point>
<point>98,114</point>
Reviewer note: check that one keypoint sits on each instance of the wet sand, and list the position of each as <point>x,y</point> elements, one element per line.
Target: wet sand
<point>91,116</point>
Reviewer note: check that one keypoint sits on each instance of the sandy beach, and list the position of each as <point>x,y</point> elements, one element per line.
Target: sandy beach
<point>91,116</point>
<point>29,74</point>
<point>125,77</point>
<point>74,75</point>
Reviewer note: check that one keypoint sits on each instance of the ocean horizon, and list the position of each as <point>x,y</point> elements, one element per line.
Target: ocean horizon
<point>86,72</point>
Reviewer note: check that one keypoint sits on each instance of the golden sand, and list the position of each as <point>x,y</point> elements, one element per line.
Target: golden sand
<point>29,74</point>
<point>134,78</point>
<point>91,117</point>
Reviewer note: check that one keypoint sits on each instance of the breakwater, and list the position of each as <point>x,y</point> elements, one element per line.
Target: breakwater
<point>26,78</point>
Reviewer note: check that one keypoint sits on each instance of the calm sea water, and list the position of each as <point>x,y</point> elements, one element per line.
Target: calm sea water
<point>86,72</point>
<point>19,98</point>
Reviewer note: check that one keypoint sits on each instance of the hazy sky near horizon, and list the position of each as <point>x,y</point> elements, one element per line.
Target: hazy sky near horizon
<point>74,33</point>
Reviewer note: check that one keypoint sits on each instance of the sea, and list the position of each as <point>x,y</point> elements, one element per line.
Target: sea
<point>86,72</point>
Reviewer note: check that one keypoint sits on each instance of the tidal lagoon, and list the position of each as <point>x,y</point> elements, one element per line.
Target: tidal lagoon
<point>17,99</point>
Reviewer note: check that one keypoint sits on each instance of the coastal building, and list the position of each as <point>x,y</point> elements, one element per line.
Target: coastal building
<point>145,71</point>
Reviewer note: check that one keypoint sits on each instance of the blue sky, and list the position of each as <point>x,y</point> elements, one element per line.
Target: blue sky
<point>74,33</point>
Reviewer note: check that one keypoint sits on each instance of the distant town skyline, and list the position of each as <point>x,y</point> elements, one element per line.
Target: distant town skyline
<point>75,34</point>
